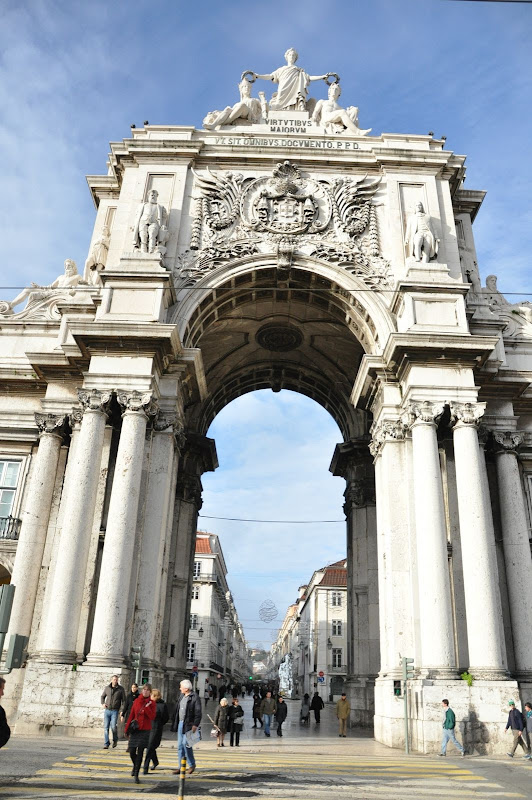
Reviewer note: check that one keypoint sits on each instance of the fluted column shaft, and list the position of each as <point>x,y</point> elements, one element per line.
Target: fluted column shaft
<point>107,645</point>
<point>481,587</point>
<point>516,548</point>
<point>60,635</point>
<point>438,651</point>
<point>35,519</point>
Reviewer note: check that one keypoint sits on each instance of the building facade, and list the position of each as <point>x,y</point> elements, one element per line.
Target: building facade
<point>281,246</point>
<point>217,651</point>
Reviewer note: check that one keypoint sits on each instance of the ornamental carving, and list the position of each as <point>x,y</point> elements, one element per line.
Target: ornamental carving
<point>282,215</point>
<point>389,430</point>
<point>467,413</point>
<point>51,423</point>
<point>137,401</point>
<point>425,411</point>
<point>279,338</point>
<point>508,441</point>
<point>94,399</point>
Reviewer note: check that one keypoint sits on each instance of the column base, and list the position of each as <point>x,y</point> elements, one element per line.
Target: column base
<point>56,657</point>
<point>109,660</point>
<point>481,714</point>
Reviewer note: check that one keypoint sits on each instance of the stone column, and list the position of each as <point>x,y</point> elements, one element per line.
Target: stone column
<point>516,547</point>
<point>35,518</point>
<point>110,616</point>
<point>352,461</point>
<point>156,535</point>
<point>437,633</point>
<point>481,583</point>
<point>64,606</point>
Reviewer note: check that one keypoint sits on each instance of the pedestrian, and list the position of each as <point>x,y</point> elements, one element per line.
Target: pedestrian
<point>280,714</point>
<point>161,718</point>
<point>528,723</point>
<point>130,699</point>
<point>343,709</point>
<point>206,692</point>
<point>138,728</point>
<point>256,710</point>
<point>517,723</point>
<point>5,730</point>
<point>187,718</point>
<point>214,691</point>
<point>221,721</point>
<point>305,709</point>
<point>243,690</point>
<point>268,707</point>
<point>236,722</point>
<point>113,700</point>
<point>223,690</point>
<point>316,705</point>
<point>234,691</point>
<point>449,722</point>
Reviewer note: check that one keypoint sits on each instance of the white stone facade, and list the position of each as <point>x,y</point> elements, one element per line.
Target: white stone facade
<point>281,251</point>
<point>217,651</point>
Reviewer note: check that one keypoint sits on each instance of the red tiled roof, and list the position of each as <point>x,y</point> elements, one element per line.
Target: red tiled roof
<point>342,564</point>
<point>334,577</point>
<point>203,545</point>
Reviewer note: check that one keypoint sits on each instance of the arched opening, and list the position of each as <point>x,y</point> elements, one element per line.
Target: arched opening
<point>5,575</point>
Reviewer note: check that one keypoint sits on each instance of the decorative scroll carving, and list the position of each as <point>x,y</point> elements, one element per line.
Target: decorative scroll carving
<point>94,399</point>
<point>51,423</point>
<point>424,411</point>
<point>508,441</point>
<point>165,422</point>
<point>189,488</point>
<point>137,401</point>
<point>283,214</point>
<point>467,413</point>
<point>388,430</point>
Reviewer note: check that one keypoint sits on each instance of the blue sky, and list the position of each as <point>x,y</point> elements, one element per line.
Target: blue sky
<point>74,76</point>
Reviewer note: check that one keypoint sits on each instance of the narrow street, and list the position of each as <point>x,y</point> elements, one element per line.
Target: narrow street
<point>308,762</point>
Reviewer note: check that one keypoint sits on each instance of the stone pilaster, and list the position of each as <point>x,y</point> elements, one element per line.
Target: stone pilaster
<point>64,602</point>
<point>516,547</point>
<point>107,645</point>
<point>481,586</point>
<point>35,518</point>
<point>438,658</point>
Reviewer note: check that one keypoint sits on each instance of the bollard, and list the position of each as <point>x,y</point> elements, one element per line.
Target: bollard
<point>182,773</point>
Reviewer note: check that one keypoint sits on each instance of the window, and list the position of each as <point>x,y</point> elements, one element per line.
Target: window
<point>191,651</point>
<point>197,569</point>
<point>460,230</point>
<point>195,592</point>
<point>337,657</point>
<point>9,471</point>
<point>336,599</point>
<point>193,622</point>
<point>172,651</point>
<point>337,627</point>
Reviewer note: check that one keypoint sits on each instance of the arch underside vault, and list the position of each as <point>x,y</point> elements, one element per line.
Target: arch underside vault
<point>306,334</point>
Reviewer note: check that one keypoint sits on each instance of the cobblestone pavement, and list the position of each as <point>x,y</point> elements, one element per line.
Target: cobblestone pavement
<point>310,763</point>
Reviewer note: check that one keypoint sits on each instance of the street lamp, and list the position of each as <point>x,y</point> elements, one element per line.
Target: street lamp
<point>200,632</point>
<point>329,643</point>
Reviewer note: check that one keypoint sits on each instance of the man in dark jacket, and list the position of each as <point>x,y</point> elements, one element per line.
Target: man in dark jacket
<point>113,700</point>
<point>280,714</point>
<point>187,718</point>
<point>5,730</point>
<point>316,705</point>
<point>517,725</point>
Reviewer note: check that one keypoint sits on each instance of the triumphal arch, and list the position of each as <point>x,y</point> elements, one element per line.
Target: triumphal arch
<point>282,246</point>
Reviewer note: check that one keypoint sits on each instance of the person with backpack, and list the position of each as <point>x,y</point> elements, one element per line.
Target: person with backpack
<point>161,718</point>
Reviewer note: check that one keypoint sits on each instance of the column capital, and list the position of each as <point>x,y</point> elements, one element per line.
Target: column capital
<point>507,441</point>
<point>189,489</point>
<point>137,401</point>
<point>359,494</point>
<point>467,413</point>
<point>389,430</point>
<point>424,412</point>
<point>168,423</point>
<point>94,400</point>
<point>51,423</point>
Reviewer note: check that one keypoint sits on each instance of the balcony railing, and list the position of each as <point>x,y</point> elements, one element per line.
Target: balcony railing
<point>337,669</point>
<point>10,527</point>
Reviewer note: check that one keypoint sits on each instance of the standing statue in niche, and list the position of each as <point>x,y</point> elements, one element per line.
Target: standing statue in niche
<point>97,258</point>
<point>248,109</point>
<point>149,222</point>
<point>33,293</point>
<point>334,118</point>
<point>292,81</point>
<point>420,237</point>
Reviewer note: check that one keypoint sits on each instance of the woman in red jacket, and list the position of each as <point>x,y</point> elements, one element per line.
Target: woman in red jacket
<point>138,727</point>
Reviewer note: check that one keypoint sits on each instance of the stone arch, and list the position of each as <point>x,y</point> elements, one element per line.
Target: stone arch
<point>6,568</point>
<point>307,333</point>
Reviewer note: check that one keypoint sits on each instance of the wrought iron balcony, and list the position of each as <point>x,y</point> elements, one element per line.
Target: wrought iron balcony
<point>10,527</point>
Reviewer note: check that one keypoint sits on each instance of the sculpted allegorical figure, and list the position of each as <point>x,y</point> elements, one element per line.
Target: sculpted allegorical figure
<point>33,293</point>
<point>149,220</point>
<point>498,302</point>
<point>420,237</point>
<point>248,108</point>
<point>293,84</point>
<point>97,258</point>
<point>333,117</point>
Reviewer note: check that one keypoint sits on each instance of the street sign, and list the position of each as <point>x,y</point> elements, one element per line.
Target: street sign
<point>195,669</point>
<point>321,680</point>
<point>321,674</point>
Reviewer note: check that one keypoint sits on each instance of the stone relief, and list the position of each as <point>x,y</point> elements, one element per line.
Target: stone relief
<point>283,214</point>
<point>150,231</point>
<point>420,236</point>
<point>42,300</point>
<point>97,259</point>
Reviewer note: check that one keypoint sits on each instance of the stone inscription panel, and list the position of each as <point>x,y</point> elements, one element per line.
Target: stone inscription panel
<point>305,144</point>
